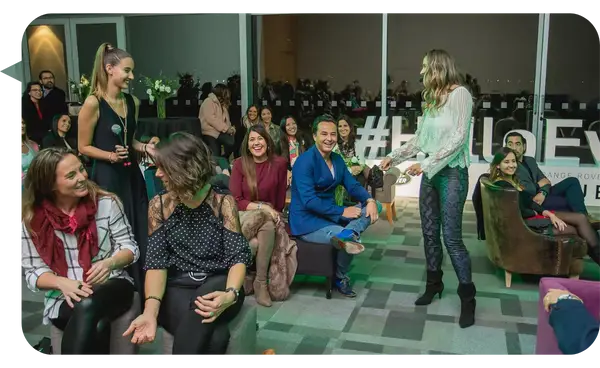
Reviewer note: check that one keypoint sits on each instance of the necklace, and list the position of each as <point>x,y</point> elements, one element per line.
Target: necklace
<point>121,121</point>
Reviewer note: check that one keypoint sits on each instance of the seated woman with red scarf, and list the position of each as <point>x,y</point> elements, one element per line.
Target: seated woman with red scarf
<point>76,242</point>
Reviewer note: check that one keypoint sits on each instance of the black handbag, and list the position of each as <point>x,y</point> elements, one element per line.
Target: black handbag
<point>540,225</point>
<point>375,179</point>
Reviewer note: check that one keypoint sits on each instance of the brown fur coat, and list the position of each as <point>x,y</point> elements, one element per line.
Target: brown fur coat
<point>283,260</point>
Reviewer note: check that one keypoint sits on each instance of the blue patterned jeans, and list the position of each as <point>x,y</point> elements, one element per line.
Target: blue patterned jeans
<point>441,203</point>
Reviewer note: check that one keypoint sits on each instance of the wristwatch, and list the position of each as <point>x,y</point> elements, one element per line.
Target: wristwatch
<point>236,293</point>
<point>564,297</point>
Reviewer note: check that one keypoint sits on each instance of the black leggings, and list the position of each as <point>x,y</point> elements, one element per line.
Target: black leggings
<point>214,144</point>
<point>441,204</point>
<point>191,336</point>
<point>86,328</point>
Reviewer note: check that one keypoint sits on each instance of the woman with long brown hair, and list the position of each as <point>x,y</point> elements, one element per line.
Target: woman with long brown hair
<point>292,143</point>
<point>502,173</point>
<point>75,244</point>
<point>346,147</point>
<point>258,183</point>
<point>443,134</point>
<point>106,130</point>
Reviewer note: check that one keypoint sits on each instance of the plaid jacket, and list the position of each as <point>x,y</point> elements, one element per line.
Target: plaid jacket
<point>114,235</point>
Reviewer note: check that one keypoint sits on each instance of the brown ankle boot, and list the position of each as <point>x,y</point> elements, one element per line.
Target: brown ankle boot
<point>261,293</point>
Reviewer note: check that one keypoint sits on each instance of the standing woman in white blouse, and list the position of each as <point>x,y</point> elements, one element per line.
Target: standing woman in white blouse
<point>76,242</point>
<point>443,135</point>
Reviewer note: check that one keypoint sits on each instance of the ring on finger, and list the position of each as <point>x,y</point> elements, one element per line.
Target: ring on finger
<point>211,314</point>
<point>79,286</point>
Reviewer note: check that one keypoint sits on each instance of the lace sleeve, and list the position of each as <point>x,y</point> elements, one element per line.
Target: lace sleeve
<point>407,150</point>
<point>238,250</point>
<point>154,215</point>
<point>460,105</point>
<point>231,218</point>
<point>158,212</point>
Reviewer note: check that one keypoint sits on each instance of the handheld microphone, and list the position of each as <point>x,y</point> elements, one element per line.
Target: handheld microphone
<point>116,129</point>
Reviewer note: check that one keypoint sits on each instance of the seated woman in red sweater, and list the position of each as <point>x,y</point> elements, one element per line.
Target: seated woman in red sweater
<point>259,182</point>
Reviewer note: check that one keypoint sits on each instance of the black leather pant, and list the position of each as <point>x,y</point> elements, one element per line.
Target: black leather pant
<point>86,328</point>
<point>191,336</point>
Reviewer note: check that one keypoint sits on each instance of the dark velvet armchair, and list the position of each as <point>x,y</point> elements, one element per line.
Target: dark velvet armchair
<point>514,247</point>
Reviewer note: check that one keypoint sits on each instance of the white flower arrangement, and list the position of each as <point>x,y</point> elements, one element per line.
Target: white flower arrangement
<point>81,89</point>
<point>160,89</point>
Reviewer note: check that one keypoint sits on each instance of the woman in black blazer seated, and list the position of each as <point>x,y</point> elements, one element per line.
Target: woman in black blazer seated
<point>502,174</point>
<point>57,137</point>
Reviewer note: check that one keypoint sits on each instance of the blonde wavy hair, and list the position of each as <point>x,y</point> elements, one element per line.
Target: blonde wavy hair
<point>440,74</point>
<point>40,182</point>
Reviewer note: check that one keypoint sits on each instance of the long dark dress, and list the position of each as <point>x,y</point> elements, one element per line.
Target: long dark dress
<point>126,182</point>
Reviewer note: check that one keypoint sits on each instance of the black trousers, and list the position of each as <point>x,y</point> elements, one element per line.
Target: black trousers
<point>566,195</point>
<point>191,336</point>
<point>214,144</point>
<point>86,328</point>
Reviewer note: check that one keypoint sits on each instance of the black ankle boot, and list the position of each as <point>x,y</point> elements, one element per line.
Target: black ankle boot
<point>466,292</point>
<point>434,286</point>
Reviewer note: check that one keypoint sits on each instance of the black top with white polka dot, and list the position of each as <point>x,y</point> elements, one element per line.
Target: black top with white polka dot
<point>194,239</point>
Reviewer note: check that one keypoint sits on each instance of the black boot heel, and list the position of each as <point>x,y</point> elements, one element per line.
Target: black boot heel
<point>434,287</point>
<point>467,292</point>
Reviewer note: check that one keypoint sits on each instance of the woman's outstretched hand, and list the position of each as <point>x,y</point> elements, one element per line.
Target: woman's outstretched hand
<point>143,329</point>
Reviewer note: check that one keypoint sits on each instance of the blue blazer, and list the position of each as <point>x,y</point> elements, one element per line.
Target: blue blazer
<point>313,192</point>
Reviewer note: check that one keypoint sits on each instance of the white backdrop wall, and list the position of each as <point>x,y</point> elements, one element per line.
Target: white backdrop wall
<point>206,45</point>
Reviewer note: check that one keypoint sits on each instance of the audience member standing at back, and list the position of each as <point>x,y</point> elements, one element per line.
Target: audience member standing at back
<point>31,111</point>
<point>107,123</point>
<point>55,99</point>
<point>217,131</point>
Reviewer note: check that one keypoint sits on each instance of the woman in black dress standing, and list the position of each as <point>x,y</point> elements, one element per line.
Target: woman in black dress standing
<point>107,123</point>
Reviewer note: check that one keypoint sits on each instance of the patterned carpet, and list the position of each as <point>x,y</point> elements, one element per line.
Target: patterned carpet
<point>388,276</point>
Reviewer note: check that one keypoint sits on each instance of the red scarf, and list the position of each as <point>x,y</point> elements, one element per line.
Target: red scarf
<point>47,218</point>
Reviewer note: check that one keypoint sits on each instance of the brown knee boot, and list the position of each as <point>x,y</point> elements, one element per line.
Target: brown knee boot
<point>266,241</point>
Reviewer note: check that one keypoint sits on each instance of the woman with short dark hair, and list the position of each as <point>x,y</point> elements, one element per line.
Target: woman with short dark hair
<point>196,253</point>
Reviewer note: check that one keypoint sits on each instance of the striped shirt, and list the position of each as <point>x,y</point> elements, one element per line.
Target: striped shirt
<point>114,235</point>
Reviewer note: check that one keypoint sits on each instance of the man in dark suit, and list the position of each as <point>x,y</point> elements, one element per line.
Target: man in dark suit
<point>566,195</point>
<point>54,101</point>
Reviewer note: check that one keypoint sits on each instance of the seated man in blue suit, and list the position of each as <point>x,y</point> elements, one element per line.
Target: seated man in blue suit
<point>313,215</point>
